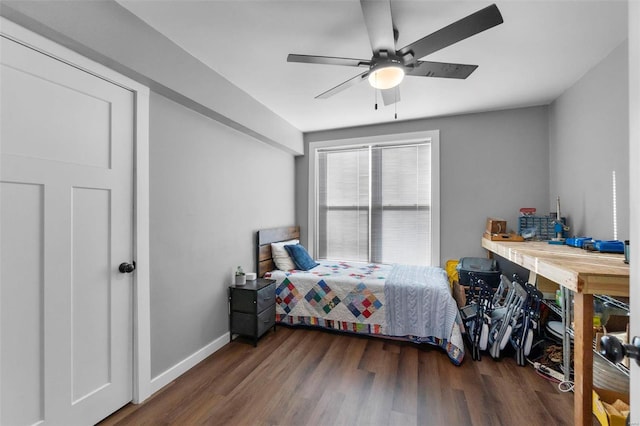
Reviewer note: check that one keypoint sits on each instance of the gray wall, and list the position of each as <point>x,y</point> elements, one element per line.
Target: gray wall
<point>588,139</point>
<point>491,164</point>
<point>211,188</point>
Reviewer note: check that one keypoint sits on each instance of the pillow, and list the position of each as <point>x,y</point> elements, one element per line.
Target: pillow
<point>300,257</point>
<point>281,257</point>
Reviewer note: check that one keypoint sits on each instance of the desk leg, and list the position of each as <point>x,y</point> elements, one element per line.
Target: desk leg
<point>583,358</point>
<point>567,310</point>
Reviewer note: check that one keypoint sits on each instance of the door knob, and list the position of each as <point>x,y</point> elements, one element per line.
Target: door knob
<point>614,350</point>
<point>127,268</point>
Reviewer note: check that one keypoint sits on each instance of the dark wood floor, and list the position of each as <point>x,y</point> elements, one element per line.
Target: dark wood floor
<point>312,377</point>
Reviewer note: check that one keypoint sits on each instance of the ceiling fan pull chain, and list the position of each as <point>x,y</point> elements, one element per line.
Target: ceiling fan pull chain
<point>375,97</point>
<point>395,104</point>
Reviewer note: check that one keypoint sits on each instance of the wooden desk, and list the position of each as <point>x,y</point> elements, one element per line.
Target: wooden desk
<point>586,274</point>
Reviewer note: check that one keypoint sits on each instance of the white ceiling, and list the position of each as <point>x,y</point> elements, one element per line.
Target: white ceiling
<point>541,49</point>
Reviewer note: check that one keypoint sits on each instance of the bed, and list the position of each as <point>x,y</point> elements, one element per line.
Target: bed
<point>405,302</point>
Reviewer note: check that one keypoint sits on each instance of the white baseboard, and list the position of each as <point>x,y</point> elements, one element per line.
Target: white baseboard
<point>166,377</point>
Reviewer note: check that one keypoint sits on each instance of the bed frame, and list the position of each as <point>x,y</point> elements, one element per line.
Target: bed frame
<point>264,258</point>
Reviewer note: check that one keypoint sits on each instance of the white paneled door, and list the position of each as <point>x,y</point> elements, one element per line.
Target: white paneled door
<point>66,224</point>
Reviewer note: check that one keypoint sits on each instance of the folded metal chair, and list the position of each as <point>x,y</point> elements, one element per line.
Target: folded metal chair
<point>503,297</point>
<point>505,319</point>
<point>523,333</point>
<point>502,292</point>
<point>477,315</point>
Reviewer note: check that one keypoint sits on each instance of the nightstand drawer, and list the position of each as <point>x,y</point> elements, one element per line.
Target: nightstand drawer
<point>266,320</point>
<point>252,325</point>
<point>266,297</point>
<point>242,323</point>
<point>243,300</point>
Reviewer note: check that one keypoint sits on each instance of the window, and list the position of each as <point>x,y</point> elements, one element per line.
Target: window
<point>374,202</point>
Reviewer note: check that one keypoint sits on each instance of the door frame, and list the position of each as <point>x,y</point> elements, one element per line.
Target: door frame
<point>141,380</point>
<point>634,189</point>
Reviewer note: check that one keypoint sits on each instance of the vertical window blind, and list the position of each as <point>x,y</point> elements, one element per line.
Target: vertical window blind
<point>374,204</point>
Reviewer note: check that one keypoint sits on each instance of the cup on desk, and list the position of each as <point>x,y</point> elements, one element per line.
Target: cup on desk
<point>626,251</point>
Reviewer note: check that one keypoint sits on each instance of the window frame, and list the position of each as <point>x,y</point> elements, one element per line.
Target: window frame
<point>430,136</point>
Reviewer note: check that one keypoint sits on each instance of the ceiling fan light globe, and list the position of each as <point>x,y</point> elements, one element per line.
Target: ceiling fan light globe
<point>386,77</point>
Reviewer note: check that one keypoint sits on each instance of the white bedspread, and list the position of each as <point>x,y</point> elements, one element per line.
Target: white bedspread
<point>419,302</point>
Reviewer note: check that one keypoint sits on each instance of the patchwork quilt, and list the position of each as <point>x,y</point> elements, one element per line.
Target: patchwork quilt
<point>410,302</point>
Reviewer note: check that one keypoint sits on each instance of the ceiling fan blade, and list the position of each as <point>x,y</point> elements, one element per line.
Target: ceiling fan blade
<point>391,96</point>
<point>377,18</point>
<point>466,27</point>
<point>344,85</point>
<point>442,70</point>
<point>328,60</point>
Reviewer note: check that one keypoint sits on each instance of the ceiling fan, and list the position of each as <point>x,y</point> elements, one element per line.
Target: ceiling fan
<point>388,65</point>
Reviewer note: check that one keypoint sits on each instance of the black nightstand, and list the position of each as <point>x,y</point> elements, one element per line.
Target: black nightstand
<point>252,308</point>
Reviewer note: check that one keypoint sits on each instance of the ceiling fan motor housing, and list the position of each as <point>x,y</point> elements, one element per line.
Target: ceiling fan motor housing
<point>382,58</point>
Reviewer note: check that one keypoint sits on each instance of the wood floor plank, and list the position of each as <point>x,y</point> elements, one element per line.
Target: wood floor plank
<point>404,395</point>
<point>431,381</point>
<point>356,385</point>
<point>299,376</point>
<point>372,356</point>
<point>379,408</point>
<point>327,369</point>
<point>327,409</point>
<point>556,408</point>
<point>461,415</point>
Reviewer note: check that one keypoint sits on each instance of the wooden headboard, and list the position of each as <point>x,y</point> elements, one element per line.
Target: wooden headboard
<point>264,259</point>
